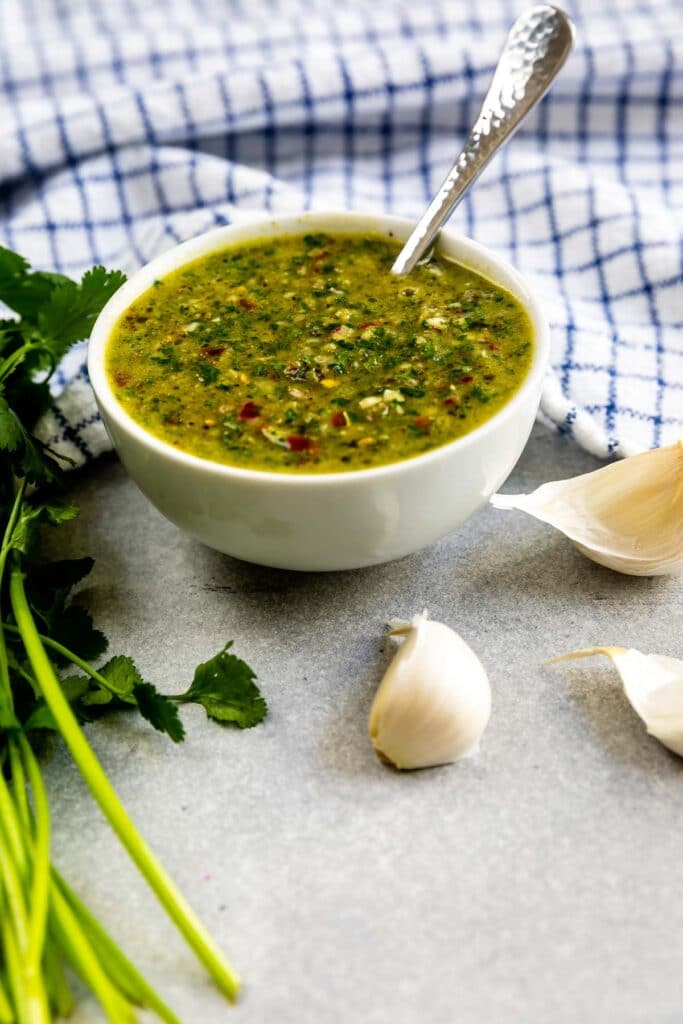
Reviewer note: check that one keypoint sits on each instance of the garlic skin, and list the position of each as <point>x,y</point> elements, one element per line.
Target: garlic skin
<point>653,684</point>
<point>627,516</point>
<point>434,701</point>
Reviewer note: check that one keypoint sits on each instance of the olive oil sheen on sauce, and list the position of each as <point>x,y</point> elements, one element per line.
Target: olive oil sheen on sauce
<point>303,353</point>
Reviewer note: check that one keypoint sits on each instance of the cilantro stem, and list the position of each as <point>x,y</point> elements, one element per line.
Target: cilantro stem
<point>76,660</point>
<point>13,967</point>
<point>120,969</point>
<point>10,829</point>
<point>11,523</point>
<point>104,793</point>
<point>28,904</point>
<point>6,1014</point>
<point>6,701</point>
<point>40,882</point>
<point>23,934</point>
<point>19,787</point>
<point>12,362</point>
<point>7,718</point>
<point>11,882</point>
<point>86,963</point>
<point>59,993</point>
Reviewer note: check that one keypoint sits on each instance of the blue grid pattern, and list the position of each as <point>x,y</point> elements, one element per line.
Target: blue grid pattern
<point>128,125</point>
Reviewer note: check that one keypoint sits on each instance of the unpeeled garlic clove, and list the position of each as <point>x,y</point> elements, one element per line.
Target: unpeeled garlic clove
<point>627,516</point>
<point>434,701</point>
<point>653,684</point>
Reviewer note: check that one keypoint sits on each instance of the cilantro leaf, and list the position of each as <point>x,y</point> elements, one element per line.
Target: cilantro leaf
<point>122,675</point>
<point>125,690</point>
<point>49,578</point>
<point>55,312</point>
<point>159,711</point>
<point>40,718</point>
<point>72,308</point>
<point>29,398</point>
<point>12,265</point>
<point>49,585</point>
<point>31,457</point>
<point>74,688</point>
<point>97,696</point>
<point>37,463</point>
<point>127,687</point>
<point>73,628</point>
<point>23,290</point>
<point>225,688</point>
<point>48,588</point>
<point>207,373</point>
<point>11,431</point>
<point>24,536</point>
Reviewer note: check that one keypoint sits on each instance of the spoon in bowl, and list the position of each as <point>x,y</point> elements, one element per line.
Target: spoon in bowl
<point>536,48</point>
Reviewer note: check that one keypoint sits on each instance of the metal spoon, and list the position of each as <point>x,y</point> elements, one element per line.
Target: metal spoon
<point>536,48</point>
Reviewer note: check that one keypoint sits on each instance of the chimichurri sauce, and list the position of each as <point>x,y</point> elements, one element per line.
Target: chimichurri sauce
<point>304,353</point>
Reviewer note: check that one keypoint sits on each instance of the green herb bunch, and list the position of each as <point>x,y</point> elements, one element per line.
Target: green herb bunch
<point>48,684</point>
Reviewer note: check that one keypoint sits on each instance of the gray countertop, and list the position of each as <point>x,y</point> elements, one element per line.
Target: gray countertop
<point>537,882</point>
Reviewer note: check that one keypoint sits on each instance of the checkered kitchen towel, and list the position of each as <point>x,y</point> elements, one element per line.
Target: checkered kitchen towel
<point>130,124</point>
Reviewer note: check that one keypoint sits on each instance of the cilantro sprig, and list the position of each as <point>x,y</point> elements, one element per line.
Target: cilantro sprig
<point>225,688</point>
<point>53,680</point>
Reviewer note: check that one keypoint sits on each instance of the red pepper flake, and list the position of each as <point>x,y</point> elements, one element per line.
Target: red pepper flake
<point>423,423</point>
<point>217,350</point>
<point>340,419</point>
<point>299,443</point>
<point>250,411</point>
<point>122,379</point>
<point>492,346</point>
<point>245,303</point>
<point>451,400</point>
<point>466,380</point>
<point>370,323</point>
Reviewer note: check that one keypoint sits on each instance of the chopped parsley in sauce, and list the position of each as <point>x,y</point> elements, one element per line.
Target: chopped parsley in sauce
<point>304,353</point>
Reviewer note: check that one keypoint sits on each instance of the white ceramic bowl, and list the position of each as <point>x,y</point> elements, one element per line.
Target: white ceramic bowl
<point>332,520</point>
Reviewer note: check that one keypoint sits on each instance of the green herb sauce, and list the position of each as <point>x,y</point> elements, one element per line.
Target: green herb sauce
<point>304,353</point>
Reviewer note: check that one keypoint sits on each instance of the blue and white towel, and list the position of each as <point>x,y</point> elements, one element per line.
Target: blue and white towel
<point>127,125</point>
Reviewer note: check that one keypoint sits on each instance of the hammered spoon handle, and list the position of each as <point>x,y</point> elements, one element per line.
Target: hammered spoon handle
<point>536,48</point>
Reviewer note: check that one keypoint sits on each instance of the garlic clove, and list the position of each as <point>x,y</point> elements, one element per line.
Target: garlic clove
<point>653,684</point>
<point>434,701</point>
<point>627,516</point>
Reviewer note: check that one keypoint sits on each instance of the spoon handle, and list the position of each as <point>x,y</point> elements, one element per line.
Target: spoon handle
<point>536,48</point>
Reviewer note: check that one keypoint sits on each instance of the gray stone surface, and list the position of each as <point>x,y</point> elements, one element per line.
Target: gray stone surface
<point>537,882</point>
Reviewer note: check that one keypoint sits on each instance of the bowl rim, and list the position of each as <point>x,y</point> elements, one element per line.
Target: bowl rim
<point>263,226</point>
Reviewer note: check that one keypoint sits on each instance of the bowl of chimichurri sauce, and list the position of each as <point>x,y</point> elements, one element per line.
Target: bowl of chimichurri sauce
<point>276,391</point>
